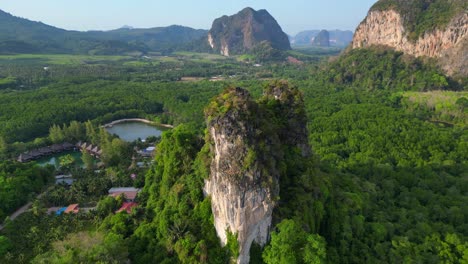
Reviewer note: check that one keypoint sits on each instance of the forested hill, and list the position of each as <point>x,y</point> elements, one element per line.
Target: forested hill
<point>19,35</point>
<point>158,38</point>
<point>22,35</point>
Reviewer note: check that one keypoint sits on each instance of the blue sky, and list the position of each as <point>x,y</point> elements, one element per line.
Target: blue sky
<point>292,15</point>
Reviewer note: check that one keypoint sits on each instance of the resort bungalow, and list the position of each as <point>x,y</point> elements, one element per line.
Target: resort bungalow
<point>148,152</point>
<point>72,208</point>
<point>44,151</point>
<point>127,207</point>
<point>90,149</point>
<point>64,179</point>
<point>60,211</point>
<point>130,193</point>
<point>57,148</point>
<point>24,157</point>
<point>68,146</point>
<point>35,154</point>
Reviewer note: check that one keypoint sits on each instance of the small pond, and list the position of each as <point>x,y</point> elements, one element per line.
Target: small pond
<point>131,131</point>
<point>55,159</point>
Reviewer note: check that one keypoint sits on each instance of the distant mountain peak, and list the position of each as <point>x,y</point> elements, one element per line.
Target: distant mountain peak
<point>126,27</point>
<point>243,31</point>
<point>322,39</point>
<point>337,38</point>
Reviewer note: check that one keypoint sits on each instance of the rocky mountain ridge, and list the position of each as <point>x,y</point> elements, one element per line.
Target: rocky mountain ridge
<point>448,45</point>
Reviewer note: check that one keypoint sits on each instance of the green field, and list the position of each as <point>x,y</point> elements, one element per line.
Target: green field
<point>447,106</point>
<point>59,59</point>
<point>67,59</point>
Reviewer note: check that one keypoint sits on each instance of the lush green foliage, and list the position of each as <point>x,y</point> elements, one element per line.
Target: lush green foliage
<point>400,171</point>
<point>384,185</point>
<point>179,227</point>
<point>19,183</point>
<point>383,69</point>
<point>445,107</point>
<point>290,244</point>
<point>33,233</point>
<point>85,247</point>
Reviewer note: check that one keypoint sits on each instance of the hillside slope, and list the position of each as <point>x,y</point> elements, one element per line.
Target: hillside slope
<point>19,35</point>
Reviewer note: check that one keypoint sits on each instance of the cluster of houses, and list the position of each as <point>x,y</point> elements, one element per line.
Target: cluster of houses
<point>35,154</point>
<point>147,152</point>
<point>72,208</point>
<point>91,149</point>
<point>129,194</point>
<point>44,151</point>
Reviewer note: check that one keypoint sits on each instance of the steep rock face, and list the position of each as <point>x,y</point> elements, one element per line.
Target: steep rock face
<point>241,32</point>
<point>242,193</point>
<point>246,165</point>
<point>448,45</point>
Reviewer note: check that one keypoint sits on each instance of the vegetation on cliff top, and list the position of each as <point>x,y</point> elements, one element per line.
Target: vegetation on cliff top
<point>424,15</point>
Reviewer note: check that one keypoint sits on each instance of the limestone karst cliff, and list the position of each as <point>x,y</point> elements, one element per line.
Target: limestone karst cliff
<point>246,141</point>
<point>396,26</point>
<point>241,32</point>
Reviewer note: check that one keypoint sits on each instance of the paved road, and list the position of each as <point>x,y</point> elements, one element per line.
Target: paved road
<point>21,210</point>
<point>18,212</point>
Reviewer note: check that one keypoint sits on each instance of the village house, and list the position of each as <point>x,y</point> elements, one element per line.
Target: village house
<point>130,193</point>
<point>72,208</point>
<point>64,179</point>
<point>91,149</point>
<point>127,207</point>
<point>44,151</point>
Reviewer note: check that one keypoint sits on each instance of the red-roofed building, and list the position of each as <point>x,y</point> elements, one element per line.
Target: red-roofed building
<point>127,207</point>
<point>129,196</point>
<point>72,208</point>
<point>129,193</point>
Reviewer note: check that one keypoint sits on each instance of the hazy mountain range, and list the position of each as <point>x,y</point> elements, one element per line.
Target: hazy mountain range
<point>338,38</point>
<point>19,35</point>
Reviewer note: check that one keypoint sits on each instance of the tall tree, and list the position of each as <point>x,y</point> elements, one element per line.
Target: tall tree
<point>56,134</point>
<point>3,146</point>
<point>87,159</point>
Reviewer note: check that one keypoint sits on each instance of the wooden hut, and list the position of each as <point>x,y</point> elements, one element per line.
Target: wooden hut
<point>45,151</point>
<point>67,146</point>
<point>57,148</point>
<point>24,157</point>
